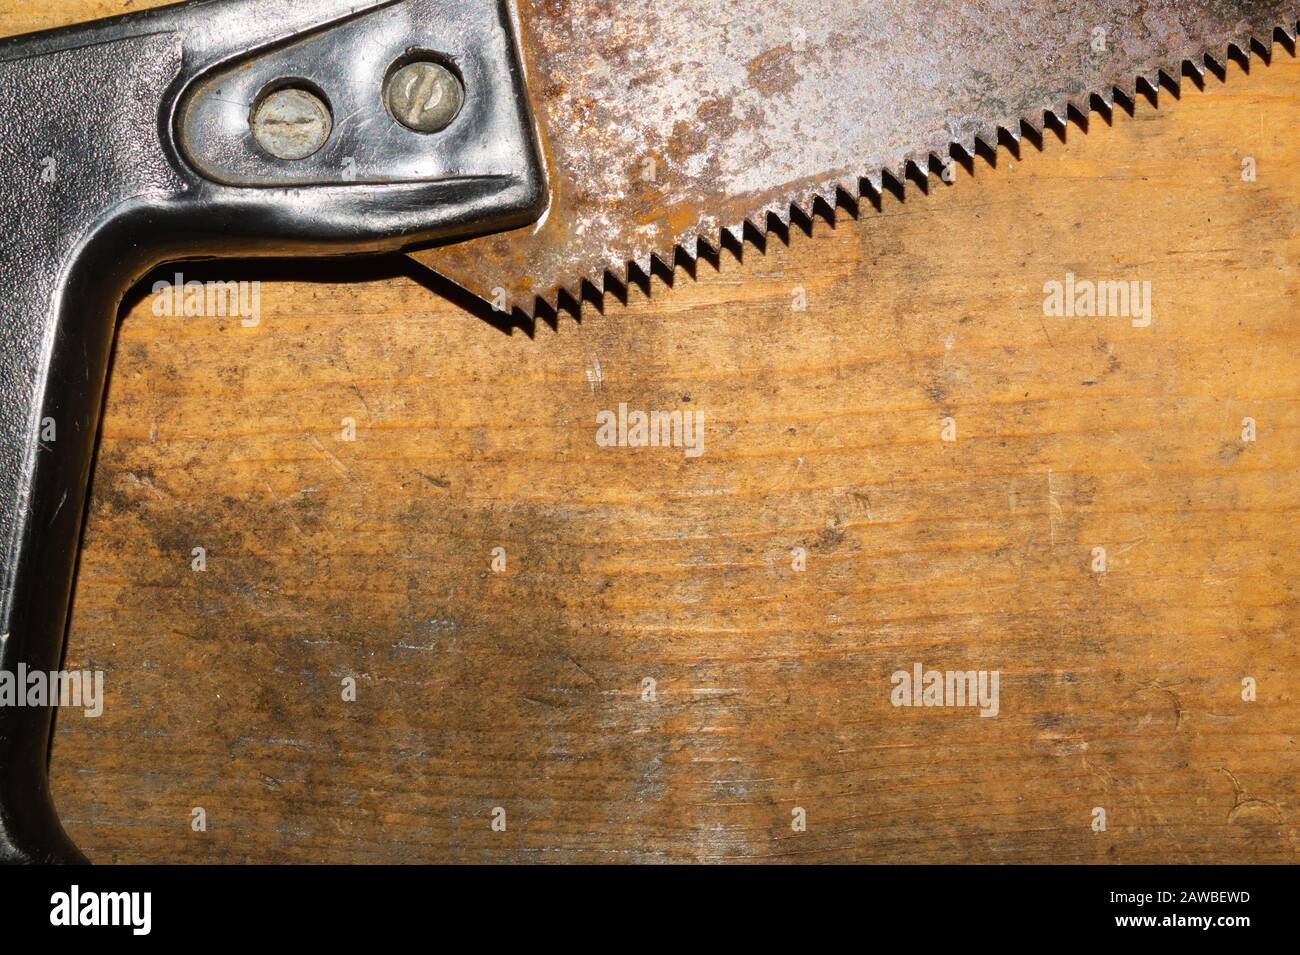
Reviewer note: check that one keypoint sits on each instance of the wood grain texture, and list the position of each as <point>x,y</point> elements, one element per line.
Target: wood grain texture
<point>523,690</point>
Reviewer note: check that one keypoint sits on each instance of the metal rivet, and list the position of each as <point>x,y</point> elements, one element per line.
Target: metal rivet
<point>292,123</point>
<point>424,96</point>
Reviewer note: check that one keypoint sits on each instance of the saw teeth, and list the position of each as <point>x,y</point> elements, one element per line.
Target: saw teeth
<point>1036,121</point>
<point>808,207</point>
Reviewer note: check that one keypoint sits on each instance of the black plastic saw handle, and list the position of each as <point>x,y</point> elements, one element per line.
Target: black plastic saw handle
<point>128,143</point>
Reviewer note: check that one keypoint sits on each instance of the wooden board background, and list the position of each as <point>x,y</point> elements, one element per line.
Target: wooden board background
<point>523,690</point>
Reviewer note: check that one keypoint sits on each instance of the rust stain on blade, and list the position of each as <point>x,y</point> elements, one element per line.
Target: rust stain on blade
<point>667,122</point>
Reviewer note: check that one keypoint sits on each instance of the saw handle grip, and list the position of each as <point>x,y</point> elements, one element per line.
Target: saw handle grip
<point>107,175</point>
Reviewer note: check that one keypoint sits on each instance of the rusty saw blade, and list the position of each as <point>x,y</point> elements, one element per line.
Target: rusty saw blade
<point>666,123</point>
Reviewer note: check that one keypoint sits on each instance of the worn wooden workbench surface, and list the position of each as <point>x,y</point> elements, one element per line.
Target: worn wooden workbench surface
<point>524,690</point>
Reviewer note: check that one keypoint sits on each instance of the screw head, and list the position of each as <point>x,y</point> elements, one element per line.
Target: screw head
<point>292,123</point>
<point>424,96</point>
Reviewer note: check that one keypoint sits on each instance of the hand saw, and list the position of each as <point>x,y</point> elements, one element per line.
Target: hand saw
<point>525,150</point>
